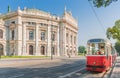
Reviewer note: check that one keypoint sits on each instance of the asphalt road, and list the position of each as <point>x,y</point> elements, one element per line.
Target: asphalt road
<point>57,68</point>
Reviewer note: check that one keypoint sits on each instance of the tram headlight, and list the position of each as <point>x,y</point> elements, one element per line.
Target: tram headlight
<point>94,63</point>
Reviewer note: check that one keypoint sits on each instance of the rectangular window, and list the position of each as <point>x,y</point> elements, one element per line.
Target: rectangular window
<point>74,40</point>
<point>53,36</point>
<point>43,24</point>
<point>31,23</point>
<point>1,33</point>
<point>67,37</point>
<point>13,22</point>
<point>43,35</point>
<point>31,35</point>
<point>13,33</point>
<point>71,39</point>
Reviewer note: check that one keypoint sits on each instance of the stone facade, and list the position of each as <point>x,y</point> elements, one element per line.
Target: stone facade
<point>35,32</point>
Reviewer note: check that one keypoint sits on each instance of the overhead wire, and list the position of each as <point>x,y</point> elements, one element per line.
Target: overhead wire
<point>97,17</point>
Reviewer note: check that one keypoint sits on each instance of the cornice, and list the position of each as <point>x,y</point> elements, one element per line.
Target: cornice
<point>71,25</point>
<point>11,15</point>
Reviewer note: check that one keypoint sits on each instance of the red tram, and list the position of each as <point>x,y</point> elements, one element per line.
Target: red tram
<point>100,55</point>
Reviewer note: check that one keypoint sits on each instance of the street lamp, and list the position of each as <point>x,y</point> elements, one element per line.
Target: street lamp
<point>51,38</point>
<point>52,34</point>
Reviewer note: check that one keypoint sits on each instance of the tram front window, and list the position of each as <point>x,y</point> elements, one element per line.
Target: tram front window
<point>96,49</point>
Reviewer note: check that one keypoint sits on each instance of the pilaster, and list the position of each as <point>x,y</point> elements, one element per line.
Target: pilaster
<point>24,39</point>
<point>19,35</point>
<point>58,52</point>
<point>49,40</point>
<point>64,40</point>
<point>36,37</point>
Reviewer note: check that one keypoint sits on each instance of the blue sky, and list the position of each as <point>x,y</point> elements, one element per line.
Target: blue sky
<point>88,24</point>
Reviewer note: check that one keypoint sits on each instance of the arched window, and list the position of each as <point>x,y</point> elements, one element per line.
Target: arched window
<point>1,49</point>
<point>31,35</point>
<point>1,33</point>
<point>30,50</point>
<point>13,34</point>
<point>42,50</point>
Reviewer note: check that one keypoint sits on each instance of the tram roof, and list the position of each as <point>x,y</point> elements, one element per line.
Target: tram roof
<point>98,40</point>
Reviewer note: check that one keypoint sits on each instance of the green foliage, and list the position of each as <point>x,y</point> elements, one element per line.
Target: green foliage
<point>81,49</point>
<point>114,32</point>
<point>102,3</point>
<point>117,47</point>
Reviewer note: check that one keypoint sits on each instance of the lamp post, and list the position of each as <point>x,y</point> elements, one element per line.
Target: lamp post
<point>51,38</point>
<point>0,54</point>
<point>52,34</point>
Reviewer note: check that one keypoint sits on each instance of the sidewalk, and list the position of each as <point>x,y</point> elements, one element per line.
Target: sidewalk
<point>16,62</point>
<point>116,69</point>
<point>22,62</point>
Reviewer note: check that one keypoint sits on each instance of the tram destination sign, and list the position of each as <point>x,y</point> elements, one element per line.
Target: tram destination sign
<point>96,41</point>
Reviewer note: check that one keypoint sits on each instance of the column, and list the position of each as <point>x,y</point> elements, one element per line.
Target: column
<point>72,43</point>
<point>49,40</point>
<point>64,46</point>
<point>58,52</point>
<point>76,44</point>
<point>4,49</point>
<point>36,37</point>
<point>70,48</point>
<point>19,35</point>
<point>68,51</point>
<point>62,39</point>
<point>24,39</point>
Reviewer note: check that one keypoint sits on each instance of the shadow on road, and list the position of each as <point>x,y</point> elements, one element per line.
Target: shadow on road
<point>41,71</point>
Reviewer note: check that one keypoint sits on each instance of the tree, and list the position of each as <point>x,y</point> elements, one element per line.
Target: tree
<point>117,47</point>
<point>102,3</point>
<point>81,49</point>
<point>114,32</point>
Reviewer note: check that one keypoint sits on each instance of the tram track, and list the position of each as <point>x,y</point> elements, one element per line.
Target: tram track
<point>107,73</point>
<point>52,72</point>
<point>55,72</point>
<point>88,74</point>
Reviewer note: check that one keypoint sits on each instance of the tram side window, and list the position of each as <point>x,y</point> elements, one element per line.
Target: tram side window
<point>108,51</point>
<point>113,50</point>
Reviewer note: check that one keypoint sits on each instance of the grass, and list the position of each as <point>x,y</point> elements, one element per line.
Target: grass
<point>24,56</point>
<point>81,54</point>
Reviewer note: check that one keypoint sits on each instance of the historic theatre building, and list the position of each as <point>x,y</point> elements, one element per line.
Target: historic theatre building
<point>35,32</point>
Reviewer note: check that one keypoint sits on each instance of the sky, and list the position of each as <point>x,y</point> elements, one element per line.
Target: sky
<point>88,24</point>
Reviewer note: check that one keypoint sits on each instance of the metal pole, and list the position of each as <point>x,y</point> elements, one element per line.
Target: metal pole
<point>51,41</point>
<point>52,37</point>
<point>0,54</point>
